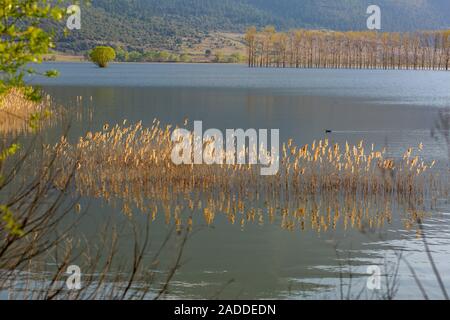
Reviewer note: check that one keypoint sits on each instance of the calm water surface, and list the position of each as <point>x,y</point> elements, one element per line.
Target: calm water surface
<point>395,109</point>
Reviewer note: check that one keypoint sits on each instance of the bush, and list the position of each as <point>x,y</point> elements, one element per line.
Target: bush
<point>219,57</point>
<point>185,58</point>
<point>101,56</point>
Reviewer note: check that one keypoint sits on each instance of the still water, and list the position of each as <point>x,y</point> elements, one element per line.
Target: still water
<point>392,109</point>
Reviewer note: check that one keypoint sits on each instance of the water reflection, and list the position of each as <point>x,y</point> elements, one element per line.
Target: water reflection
<point>246,236</point>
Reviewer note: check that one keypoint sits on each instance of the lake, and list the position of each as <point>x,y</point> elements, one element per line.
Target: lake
<point>392,109</point>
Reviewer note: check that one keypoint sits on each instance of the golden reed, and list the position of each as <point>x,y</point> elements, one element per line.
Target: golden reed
<point>18,114</point>
<point>319,185</point>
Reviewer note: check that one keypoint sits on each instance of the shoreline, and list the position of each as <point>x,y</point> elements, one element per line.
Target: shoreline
<point>137,62</point>
<point>245,64</point>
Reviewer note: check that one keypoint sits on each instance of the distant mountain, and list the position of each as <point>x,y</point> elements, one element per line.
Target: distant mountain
<point>165,24</point>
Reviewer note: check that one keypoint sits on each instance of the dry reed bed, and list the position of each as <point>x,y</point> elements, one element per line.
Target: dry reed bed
<point>317,185</point>
<point>21,115</point>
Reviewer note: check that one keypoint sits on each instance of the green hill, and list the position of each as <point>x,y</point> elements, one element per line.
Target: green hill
<point>166,24</point>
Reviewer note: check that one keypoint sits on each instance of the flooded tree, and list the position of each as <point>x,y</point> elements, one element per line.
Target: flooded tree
<point>102,56</point>
<point>356,50</point>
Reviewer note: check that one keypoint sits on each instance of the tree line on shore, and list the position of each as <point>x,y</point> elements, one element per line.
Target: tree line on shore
<point>426,50</point>
<point>123,55</point>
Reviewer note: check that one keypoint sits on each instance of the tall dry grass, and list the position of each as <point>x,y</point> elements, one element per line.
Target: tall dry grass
<point>318,186</point>
<point>18,114</point>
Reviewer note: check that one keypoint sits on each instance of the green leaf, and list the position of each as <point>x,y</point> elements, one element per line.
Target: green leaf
<point>10,222</point>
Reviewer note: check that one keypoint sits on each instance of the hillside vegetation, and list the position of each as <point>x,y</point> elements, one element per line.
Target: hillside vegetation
<point>171,24</point>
